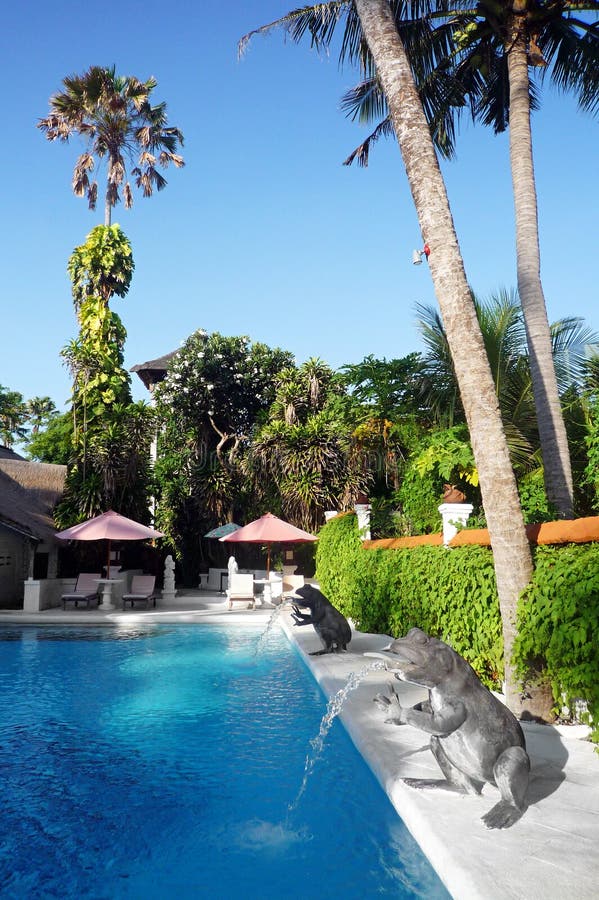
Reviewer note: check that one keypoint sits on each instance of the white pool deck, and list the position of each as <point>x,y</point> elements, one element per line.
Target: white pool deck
<point>552,852</point>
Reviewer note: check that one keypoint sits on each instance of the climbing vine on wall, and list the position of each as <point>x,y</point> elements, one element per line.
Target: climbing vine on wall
<point>109,464</point>
<point>451,594</point>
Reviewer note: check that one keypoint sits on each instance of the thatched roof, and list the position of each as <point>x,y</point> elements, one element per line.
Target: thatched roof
<point>9,453</point>
<point>154,370</point>
<point>28,494</point>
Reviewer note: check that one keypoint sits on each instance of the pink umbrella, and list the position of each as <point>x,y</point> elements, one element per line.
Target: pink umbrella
<point>110,526</point>
<point>268,529</point>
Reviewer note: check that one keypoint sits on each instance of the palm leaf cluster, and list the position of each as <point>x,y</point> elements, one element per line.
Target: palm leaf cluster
<point>115,117</point>
<point>458,52</point>
<point>502,326</point>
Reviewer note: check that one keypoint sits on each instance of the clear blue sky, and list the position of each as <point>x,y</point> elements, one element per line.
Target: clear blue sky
<point>264,232</point>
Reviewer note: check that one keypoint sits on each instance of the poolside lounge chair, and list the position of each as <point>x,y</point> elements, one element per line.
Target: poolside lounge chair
<point>142,591</point>
<point>241,587</point>
<point>85,591</point>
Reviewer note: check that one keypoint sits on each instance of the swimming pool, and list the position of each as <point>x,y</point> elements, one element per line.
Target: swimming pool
<point>160,762</point>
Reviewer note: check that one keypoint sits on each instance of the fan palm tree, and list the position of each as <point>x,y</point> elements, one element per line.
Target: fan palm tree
<point>40,410</point>
<point>496,47</point>
<point>114,115</point>
<point>379,42</point>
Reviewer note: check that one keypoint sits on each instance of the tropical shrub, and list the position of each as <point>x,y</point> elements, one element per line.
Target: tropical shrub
<point>305,455</point>
<point>558,620</point>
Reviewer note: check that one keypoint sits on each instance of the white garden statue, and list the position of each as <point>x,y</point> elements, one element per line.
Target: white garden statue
<point>168,590</point>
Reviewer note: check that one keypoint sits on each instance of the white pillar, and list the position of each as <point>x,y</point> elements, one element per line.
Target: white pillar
<point>454,514</point>
<point>329,514</point>
<point>363,513</point>
<point>32,596</point>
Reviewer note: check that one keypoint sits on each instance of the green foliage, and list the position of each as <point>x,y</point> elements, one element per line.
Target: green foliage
<point>442,456</point>
<point>448,593</point>
<point>591,472</point>
<point>388,389</point>
<point>533,499</point>
<point>215,393</point>
<point>110,468</point>
<point>101,267</point>
<point>305,451</point>
<point>40,412</point>
<point>448,455</point>
<point>220,386</point>
<point>55,443</point>
<point>558,623</point>
<point>418,498</point>
<point>111,435</point>
<point>13,416</point>
<point>95,359</point>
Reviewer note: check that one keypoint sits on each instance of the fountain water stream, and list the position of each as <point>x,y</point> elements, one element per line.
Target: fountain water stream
<point>334,707</point>
<point>270,625</point>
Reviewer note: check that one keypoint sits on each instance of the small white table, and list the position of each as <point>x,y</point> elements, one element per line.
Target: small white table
<point>106,583</point>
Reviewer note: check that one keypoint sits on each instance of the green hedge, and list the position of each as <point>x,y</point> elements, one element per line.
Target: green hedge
<point>558,620</point>
<point>452,595</point>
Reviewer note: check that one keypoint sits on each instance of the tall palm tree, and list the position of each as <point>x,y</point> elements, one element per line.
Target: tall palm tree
<point>114,115</point>
<point>511,551</point>
<point>13,415</point>
<point>39,412</point>
<point>496,47</point>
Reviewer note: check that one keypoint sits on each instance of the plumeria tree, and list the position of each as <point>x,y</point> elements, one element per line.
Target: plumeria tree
<point>216,391</point>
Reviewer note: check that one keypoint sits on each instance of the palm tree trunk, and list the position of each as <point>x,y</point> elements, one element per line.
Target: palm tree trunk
<point>511,551</point>
<point>550,420</point>
<point>107,213</point>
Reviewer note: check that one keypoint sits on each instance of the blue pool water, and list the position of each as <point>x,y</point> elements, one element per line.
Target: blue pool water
<point>160,762</point>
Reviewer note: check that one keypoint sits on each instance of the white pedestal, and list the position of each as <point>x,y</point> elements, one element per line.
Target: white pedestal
<point>454,514</point>
<point>363,513</point>
<point>106,599</point>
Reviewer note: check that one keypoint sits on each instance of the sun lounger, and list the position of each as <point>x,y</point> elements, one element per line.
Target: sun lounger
<point>142,591</point>
<point>85,591</point>
<point>241,588</point>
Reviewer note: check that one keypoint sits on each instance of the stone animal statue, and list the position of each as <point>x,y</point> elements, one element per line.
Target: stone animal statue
<point>474,737</point>
<point>330,625</point>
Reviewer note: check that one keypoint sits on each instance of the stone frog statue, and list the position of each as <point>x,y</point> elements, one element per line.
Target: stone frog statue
<point>474,737</point>
<point>330,625</point>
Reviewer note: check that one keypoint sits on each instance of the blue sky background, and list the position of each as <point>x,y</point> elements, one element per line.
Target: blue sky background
<point>264,232</point>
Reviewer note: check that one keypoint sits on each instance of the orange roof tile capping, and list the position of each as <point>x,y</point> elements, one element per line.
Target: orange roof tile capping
<point>403,542</point>
<point>564,531</point>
